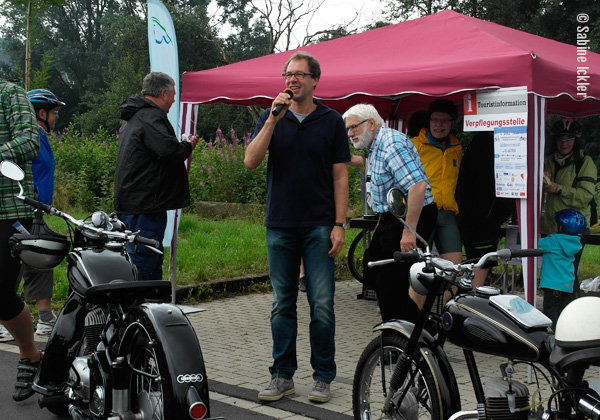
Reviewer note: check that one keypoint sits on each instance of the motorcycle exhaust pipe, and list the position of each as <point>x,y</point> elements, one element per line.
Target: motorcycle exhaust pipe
<point>589,406</point>
<point>45,402</point>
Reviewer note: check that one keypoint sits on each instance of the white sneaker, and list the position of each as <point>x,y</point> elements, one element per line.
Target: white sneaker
<point>45,328</point>
<point>4,334</point>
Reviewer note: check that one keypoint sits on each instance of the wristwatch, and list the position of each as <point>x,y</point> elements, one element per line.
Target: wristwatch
<point>342,225</point>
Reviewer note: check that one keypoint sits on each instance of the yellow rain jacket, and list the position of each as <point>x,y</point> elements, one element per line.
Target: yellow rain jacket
<point>441,168</point>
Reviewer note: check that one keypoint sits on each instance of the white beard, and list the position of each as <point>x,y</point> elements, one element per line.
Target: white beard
<point>364,140</point>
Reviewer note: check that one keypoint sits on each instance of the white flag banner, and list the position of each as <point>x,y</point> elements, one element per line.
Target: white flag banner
<point>162,43</point>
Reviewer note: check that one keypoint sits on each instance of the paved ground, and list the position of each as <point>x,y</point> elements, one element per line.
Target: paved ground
<point>236,341</point>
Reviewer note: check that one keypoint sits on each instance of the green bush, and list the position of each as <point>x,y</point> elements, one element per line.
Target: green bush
<point>217,172</point>
<point>85,169</point>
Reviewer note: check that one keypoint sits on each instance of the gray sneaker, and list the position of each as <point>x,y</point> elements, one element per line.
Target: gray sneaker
<point>319,392</point>
<point>4,334</point>
<point>277,389</point>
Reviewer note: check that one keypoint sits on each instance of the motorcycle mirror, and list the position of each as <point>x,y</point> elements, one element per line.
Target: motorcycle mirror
<point>11,170</point>
<point>397,203</point>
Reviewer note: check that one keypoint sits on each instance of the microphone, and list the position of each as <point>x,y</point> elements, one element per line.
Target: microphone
<point>277,109</point>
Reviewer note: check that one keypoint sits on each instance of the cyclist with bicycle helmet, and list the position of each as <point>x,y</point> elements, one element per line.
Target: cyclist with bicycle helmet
<point>569,180</point>
<point>558,273</point>
<point>37,284</point>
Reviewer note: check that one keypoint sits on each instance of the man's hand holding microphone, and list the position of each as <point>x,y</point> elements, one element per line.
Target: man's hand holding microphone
<point>284,99</point>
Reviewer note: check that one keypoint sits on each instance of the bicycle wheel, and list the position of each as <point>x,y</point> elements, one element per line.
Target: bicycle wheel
<point>356,255</point>
<point>371,384</point>
<point>149,387</point>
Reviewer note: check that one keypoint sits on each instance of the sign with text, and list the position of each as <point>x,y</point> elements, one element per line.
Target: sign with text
<point>510,161</point>
<point>485,110</point>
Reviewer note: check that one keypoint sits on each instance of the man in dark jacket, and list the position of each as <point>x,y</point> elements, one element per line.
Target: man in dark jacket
<point>150,175</point>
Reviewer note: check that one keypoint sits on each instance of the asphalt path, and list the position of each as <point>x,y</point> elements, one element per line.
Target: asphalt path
<point>30,410</point>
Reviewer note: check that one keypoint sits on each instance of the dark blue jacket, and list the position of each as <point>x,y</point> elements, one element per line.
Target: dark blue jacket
<point>300,167</point>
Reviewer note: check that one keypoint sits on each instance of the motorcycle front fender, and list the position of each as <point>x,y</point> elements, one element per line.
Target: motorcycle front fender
<point>437,360</point>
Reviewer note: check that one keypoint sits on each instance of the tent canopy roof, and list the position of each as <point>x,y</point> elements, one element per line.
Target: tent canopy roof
<point>399,68</point>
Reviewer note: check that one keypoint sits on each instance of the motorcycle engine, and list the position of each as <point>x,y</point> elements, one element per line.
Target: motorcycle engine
<point>506,400</point>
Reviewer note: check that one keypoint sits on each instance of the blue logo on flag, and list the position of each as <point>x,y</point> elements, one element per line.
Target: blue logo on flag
<point>160,33</point>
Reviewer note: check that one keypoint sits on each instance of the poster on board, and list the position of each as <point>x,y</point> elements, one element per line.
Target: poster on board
<point>503,111</point>
<point>510,161</point>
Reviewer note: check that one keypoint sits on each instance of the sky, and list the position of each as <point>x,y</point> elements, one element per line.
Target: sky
<point>330,14</point>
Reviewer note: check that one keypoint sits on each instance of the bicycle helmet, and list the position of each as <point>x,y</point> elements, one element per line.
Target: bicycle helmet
<point>572,220</point>
<point>566,126</point>
<point>445,106</point>
<point>44,250</point>
<point>43,99</point>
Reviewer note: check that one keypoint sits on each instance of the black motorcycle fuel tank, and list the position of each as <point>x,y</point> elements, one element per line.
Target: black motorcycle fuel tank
<point>93,266</point>
<point>476,323</point>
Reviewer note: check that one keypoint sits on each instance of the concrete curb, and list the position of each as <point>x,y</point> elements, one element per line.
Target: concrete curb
<point>229,285</point>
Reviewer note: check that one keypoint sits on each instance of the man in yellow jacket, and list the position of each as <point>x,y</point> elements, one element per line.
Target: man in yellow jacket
<point>440,153</point>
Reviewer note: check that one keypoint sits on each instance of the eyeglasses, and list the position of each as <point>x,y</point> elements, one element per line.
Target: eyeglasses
<point>55,112</point>
<point>353,127</point>
<point>441,120</point>
<point>299,75</point>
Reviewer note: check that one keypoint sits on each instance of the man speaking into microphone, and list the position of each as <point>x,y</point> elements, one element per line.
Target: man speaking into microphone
<point>307,199</point>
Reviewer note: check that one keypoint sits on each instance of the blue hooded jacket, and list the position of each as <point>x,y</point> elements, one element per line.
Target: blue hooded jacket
<point>558,272</point>
<point>43,170</point>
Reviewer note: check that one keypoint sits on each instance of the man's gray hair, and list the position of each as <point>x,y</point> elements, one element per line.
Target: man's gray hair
<point>364,112</point>
<point>155,82</point>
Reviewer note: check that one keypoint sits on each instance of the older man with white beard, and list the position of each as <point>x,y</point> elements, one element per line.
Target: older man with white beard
<point>393,162</point>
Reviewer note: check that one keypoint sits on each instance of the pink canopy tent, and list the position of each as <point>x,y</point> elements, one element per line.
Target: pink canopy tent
<point>401,68</point>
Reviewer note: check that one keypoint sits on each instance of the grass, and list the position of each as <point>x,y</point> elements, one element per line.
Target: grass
<point>212,250</point>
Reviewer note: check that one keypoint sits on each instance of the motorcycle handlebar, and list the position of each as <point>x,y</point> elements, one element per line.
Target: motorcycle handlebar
<point>413,255</point>
<point>523,253</point>
<point>146,241</point>
<point>417,255</point>
<point>38,205</point>
<point>96,232</point>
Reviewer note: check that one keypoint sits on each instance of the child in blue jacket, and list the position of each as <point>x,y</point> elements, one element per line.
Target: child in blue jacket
<point>558,273</point>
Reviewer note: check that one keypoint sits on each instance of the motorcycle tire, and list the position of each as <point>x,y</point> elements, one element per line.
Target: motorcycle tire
<point>150,391</point>
<point>371,383</point>
<point>356,256</point>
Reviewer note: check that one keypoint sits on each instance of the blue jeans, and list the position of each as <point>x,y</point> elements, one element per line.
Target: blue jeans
<point>285,247</point>
<point>151,225</point>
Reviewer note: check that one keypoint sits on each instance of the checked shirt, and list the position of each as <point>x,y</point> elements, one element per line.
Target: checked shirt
<point>393,162</point>
<point>19,142</point>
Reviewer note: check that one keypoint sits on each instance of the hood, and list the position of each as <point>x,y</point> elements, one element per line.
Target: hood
<point>569,244</point>
<point>133,104</point>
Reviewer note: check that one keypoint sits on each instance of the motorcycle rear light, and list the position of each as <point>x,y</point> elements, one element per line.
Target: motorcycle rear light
<point>197,410</point>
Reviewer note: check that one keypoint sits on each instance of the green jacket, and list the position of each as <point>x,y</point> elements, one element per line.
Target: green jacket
<point>20,143</point>
<point>575,190</point>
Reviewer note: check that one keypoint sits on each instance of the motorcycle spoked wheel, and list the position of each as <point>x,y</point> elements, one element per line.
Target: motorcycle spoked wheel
<point>149,387</point>
<point>421,401</point>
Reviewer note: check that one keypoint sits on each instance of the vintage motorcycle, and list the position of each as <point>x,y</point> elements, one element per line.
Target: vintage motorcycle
<point>117,351</point>
<point>406,374</point>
